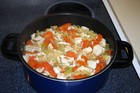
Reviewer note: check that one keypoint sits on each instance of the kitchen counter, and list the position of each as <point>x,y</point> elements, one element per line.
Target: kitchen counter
<point>125,16</point>
<point>14,16</point>
<point>128,13</point>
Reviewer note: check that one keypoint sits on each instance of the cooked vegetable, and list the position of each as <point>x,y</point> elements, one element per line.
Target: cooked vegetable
<point>67,52</point>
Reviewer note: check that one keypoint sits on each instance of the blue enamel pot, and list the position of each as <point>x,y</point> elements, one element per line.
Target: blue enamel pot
<point>45,84</point>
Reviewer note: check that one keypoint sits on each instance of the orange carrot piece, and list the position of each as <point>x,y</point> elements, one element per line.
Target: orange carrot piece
<point>64,27</point>
<point>46,42</point>
<point>67,39</point>
<point>47,34</point>
<point>47,67</point>
<point>92,44</point>
<point>71,54</point>
<point>29,42</point>
<point>73,31</point>
<point>100,59</point>
<point>48,39</point>
<point>79,76</point>
<point>97,41</point>
<point>84,57</point>
<point>81,62</point>
<point>85,43</point>
<point>74,68</point>
<point>99,67</point>
<point>99,38</point>
<point>109,52</point>
<point>32,62</point>
<point>54,45</point>
<point>52,38</point>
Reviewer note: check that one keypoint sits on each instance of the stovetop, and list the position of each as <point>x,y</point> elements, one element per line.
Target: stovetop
<point>14,16</point>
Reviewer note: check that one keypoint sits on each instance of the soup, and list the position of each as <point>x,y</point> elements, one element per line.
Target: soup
<point>67,52</point>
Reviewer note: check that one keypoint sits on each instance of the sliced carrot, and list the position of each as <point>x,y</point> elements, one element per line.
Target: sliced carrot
<point>64,27</point>
<point>99,67</point>
<point>47,67</point>
<point>29,42</point>
<point>47,34</point>
<point>73,31</point>
<point>32,62</point>
<point>46,42</point>
<point>81,62</point>
<point>97,41</point>
<point>71,54</point>
<point>68,40</point>
<point>85,43</point>
<point>74,68</point>
<point>54,45</point>
<point>92,43</point>
<point>84,57</point>
<point>48,39</point>
<point>100,59</point>
<point>109,52</point>
<point>100,37</point>
<point>79,76</point>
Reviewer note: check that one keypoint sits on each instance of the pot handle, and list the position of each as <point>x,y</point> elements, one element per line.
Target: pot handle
<point>9,46</point>
<point>124,55</point>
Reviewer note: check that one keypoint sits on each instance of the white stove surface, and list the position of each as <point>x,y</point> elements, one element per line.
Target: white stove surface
<point>123,31</point>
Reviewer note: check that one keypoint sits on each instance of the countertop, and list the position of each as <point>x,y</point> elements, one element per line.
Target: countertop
<point>125,17</point>
<point>128,13</point>
<point>13,18</point>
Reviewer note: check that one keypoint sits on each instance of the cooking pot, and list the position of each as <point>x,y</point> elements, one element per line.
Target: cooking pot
<point>13,44</point>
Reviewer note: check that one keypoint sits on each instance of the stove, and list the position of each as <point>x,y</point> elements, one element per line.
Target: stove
<point>14,16</point>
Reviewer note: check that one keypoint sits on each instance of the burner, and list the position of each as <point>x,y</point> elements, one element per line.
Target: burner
<point>70,7</point>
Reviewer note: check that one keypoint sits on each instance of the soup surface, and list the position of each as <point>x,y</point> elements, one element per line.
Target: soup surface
<point>67,52</point>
